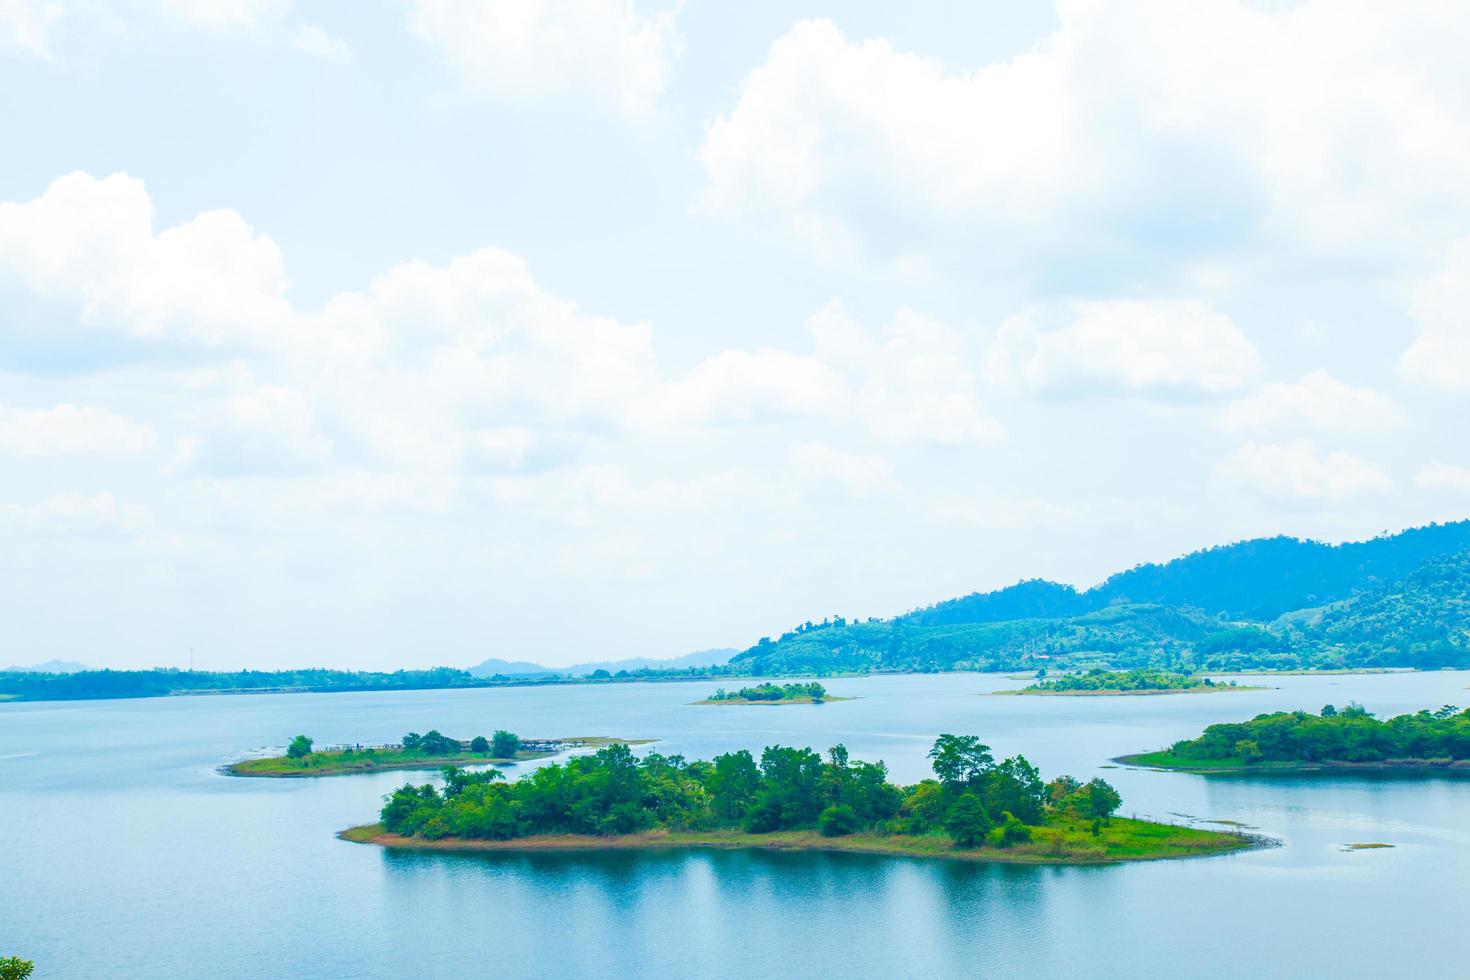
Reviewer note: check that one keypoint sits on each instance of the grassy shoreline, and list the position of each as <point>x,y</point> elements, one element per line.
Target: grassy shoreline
<point>1065,842</point>
<point>383,760</point>
<point>1166,761</point>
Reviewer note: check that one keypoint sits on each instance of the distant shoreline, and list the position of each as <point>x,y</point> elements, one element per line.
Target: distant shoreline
<point>1165,762</point>
<point>1149,842</point>
<point>1114,692</point>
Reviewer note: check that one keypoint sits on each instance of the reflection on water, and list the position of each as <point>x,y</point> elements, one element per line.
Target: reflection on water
<point>124,852</point>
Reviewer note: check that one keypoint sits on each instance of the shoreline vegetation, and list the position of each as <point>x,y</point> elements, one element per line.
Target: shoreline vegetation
<point>974,809</point>
<point>430,751</point>
<point>1125,839</point>
<point>1350,740</point>
<point>1112,683</point>
<point>812,693</point>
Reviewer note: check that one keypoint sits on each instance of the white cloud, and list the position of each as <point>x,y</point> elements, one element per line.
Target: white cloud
<point>1297,470</point>
<point>857,474</point>
<point>537,47</point>
<point>912,382</point>
<point>1339,123</point>
<point>28,22</point>
<point>68,430</point>
<point>1444,476</point>
<point>1440,355</point>
<point>74,513</point>
<point>1318,401</point>
<point>209,280</point>
<point>1164,347</point>
<point>311,39</point>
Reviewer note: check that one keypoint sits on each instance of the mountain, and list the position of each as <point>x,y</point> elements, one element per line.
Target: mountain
<point>1394,600</point>
<point>521,668</point>
<point>510,668</point>
<point>49,667</point>
<point>1258,579</point>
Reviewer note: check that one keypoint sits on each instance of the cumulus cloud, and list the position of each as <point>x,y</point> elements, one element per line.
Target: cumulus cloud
<point>311,39</point>
<point>1318,401</point>
<point>537,47</point>
<point>913,382</point>
<point>1444,476</point>
<point>68,430</point>
<point>1440,355</point>
<point>1159,347</point>
<point>826,468</point>
<point>74,513</point>
<point>1338,122</point>
<point>1296,470</point>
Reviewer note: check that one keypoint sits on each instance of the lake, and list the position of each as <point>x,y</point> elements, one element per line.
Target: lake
<point>123,852</point>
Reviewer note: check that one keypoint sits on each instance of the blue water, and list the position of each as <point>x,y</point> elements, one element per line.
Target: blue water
<point>124,853</point>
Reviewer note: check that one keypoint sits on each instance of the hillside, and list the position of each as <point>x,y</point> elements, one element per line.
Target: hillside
<point>1396,600</point>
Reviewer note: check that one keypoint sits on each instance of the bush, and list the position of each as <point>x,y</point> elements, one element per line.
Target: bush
<point>838,821</point>
<point>967,820</point>
<point>504,745</point>
<point>15,968</point>
<point>478,744</point>
<point>299,748</point>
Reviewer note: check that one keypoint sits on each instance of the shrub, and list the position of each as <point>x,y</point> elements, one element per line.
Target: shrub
<point>838,821</point>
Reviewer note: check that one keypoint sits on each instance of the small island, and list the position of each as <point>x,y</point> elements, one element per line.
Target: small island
<point>431,750</point>
<point>1109,683</point>
<point>977,809</point>
<point>1346,740</point>
<point>768,693</point>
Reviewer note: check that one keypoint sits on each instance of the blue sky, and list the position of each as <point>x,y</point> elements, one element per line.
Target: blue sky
<point>407,333</point>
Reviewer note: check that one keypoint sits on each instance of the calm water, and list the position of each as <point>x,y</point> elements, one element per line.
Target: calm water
<point>124,853</point>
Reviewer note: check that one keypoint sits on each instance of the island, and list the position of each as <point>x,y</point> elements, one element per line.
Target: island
<point>974,809</point>
<point>431,750</point>
<point>811,693</point>
<point>1346,740</point>
<point>1109,683</point>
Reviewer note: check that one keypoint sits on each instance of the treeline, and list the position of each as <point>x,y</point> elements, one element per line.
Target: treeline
<point>974,800</point>
<point>773,692</point>
<point>98,684</point>
<point>1348,735</point>
<point>1143,679</point>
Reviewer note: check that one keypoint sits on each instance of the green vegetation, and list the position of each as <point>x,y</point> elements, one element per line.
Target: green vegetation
<point>431,750</point>
<point>1350,737</point>
<point>15,968</point>
<point>789,798</point>
<point>1272,604</point>
<point>812,693</point>
<point>1139,681</point>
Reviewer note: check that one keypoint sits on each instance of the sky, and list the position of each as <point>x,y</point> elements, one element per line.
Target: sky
<point>415,332</point>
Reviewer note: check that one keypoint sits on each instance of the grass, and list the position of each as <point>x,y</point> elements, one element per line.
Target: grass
<point>1364,847</point>
<point>1067,841</point>
<point>780,701</point>
<point>1178,763</point>
<point>349,762</point>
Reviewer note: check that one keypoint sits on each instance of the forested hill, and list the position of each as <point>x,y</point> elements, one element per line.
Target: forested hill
<point>1398,600</point>
<point>1258,579</point>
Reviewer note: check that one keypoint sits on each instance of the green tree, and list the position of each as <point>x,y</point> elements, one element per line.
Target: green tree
<point>960,758</point>
<point>299,748</point>
<point>733,783</point>
<point>479,745</point>
<point>15,968</point>
<point>1102,800</point>
<point>967,820</point>
<point>505,745</point>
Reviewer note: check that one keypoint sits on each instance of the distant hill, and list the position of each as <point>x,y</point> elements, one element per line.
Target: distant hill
<point>1258,579</point>
<point>49,667</point>
<point>521,668</point>
<point>1395,600</point>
